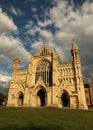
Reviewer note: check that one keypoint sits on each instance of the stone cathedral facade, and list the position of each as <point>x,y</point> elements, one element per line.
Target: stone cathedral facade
<point>47,81</point>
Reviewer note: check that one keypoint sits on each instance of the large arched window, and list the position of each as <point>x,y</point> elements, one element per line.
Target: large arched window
<point>44,70</point>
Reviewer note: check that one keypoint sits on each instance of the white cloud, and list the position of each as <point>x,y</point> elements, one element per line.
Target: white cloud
<point>13,10</point>
<point>16,12</point>
<point>4,78</point>
<point>45,34</point>
<point>19,12</point>
<point>45,23</point>
<point>34,9</point>
<point>10,47</point>
<point>32,30</point>
<point>87,8</point>
<point>36,45</point>
<point>29,24</point>
<point>7,23</point>
<point>74,24</point>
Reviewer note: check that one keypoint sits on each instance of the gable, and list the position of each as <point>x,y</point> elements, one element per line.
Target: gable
<point>44,51</point>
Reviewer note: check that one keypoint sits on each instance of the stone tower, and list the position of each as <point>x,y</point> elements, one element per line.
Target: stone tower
<point>81,101</point>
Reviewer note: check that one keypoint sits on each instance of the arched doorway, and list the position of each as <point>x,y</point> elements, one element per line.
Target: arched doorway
<point>41,98</point>
<point>20,99</point>
<point>65,99</point>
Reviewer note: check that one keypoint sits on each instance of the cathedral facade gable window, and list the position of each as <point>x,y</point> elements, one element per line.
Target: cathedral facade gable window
<point>44,71</point>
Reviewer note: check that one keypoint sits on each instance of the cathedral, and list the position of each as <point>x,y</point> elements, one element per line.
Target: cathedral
<point>47,81</point>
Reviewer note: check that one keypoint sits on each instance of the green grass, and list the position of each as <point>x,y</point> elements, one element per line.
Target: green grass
<point>45,119</point>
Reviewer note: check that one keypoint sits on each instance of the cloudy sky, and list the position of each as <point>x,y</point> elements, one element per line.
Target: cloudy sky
<point>25,24</point>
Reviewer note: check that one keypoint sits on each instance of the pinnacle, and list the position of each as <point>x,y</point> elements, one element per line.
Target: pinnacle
<point>17,57</point>
<point>74,45</point>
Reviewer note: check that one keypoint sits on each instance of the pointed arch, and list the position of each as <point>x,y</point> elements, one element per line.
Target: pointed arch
<point>41,98</point>
<point>65,99</point>
<point>20,98</point>
<point>40,95</point>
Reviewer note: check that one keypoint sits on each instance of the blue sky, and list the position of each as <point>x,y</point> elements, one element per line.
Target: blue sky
<point>25,24</point>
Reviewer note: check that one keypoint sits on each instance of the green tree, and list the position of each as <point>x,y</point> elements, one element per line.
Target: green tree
<point>2,99</point>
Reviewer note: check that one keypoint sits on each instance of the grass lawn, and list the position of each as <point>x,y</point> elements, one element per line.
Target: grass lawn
<point>45,119</point>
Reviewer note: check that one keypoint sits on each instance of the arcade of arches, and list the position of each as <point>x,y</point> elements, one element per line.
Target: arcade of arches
<point>41,98</point>
<point>47,81</point>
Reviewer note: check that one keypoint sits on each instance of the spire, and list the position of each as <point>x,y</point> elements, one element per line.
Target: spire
<point>74,45</point>
<point>75,52</point>
<point>17,57</point>
<point>16,63</point>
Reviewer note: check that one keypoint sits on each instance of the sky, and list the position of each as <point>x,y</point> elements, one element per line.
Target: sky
<point>25,24</point>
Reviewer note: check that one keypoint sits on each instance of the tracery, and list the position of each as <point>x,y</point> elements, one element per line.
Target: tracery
<point>44,71</point>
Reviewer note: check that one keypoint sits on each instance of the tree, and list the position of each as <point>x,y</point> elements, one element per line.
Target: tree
<point>3,99</point>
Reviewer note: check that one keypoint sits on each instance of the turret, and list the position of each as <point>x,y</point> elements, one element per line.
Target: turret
<point>76,59</point>
<point>75,53</point>
<point>78,76</point>
<point>16,62</point>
